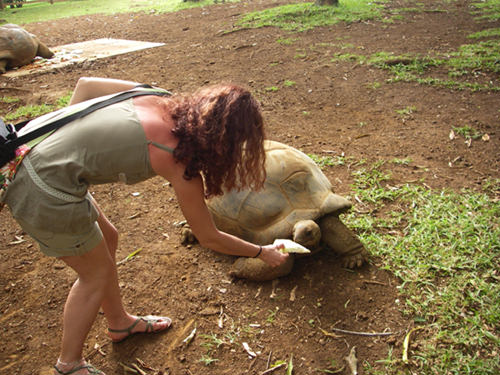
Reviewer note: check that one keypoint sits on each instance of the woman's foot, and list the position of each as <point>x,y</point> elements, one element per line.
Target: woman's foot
<point>80,367</point>
<point>141,324</point>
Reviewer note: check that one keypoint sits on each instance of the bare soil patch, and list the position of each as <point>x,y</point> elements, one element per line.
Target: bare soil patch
<point>332,109</point>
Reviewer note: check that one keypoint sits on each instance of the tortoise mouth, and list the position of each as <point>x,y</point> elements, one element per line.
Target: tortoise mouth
<point>307,233</point>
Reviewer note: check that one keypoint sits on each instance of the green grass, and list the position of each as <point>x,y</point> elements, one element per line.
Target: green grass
<point>488,9</point>
<point>43,11</point>
<point>32,111</point>
<point>467,132</point>
<point>488,33</point>
<point>271,89</point>
<point>9,99</point>
<point>462,66</point>
<point>305,16</point>
<point>444,246</point>
<point>207,360</point>
<point>29,112</point>
<point>465,63</point>
<point>330,161</point>
<point>482,56</point>
<point>407,111</point>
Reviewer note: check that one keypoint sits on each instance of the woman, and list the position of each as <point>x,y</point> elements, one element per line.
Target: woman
<point>202,143</point>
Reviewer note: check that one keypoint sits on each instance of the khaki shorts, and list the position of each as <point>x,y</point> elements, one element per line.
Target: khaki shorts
<point>61,223</point>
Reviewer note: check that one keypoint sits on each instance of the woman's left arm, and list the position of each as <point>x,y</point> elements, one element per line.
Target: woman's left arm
<point>94,87</point>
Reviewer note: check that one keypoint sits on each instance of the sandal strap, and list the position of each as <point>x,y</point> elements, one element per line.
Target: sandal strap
<point>149,320</point>
<point>128,329</point>
<point>149,324</point>
<point>91,369</point>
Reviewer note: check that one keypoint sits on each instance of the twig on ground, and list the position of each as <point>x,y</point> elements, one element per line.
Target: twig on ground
<point>139,370</point>
<point>269,359</point>
<point>363,333</point>
<point>374,282</point>
<point>269,370</point>
<point>128,369</point>
<point>146,366</point>
<point>14,88</point>
<point>338,371</point>
<point>329,334</point>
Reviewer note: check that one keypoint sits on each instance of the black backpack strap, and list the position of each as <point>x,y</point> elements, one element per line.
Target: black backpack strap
<point>13,144</point>
<point>20,125</point>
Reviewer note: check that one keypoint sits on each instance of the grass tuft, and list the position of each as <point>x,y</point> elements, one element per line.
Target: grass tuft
<point>445,248</point>
<point>305,16</point>
<point>43,11</point>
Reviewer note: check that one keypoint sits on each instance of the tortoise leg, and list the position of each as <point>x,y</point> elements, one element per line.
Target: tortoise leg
<point>258,270</point>
<point>3,66</point>
<point>44,51</point>
<point>343,241</point>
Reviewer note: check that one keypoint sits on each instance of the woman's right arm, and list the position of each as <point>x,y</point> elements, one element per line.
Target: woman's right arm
<point>93,87</point>
<point>191,200</point>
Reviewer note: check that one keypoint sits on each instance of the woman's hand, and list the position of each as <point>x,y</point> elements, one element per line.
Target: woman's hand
<point>272,255</point>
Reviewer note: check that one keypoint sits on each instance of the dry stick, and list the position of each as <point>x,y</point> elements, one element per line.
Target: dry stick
<point>139,370</point>
<point>14,88</point>
<point>127,368</point>
<point>269,359</point>
<point>268,371</point>
<point>252,363</point>
<point>373,282</point>
<point>363,333</point>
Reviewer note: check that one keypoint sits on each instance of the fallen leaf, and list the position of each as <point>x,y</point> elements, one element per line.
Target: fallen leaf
<point>452,135</point>
<point>248,350</point>
<point>292,293</point>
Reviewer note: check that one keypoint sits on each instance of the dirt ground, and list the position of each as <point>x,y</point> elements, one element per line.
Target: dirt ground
<point>332,109</point>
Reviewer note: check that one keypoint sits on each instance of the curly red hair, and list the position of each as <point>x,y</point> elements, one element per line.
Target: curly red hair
<point>221,133</point>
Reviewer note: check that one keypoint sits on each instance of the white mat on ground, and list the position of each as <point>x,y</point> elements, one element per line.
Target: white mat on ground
<point>79,52</point>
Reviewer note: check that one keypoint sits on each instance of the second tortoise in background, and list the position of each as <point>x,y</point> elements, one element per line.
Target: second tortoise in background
<point>18,47</point>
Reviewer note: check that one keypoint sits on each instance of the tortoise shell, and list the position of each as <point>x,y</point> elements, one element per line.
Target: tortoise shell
<point>295,189</point>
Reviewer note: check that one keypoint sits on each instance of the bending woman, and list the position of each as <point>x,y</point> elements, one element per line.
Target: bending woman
<point>202,143</point>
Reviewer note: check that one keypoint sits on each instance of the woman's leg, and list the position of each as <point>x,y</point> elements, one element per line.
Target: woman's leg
<point>112,305</point>
<point>96,281</point>
<point>96,286</point>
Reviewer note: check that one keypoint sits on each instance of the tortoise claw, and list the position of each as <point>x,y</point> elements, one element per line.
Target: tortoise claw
<point>355,260</point>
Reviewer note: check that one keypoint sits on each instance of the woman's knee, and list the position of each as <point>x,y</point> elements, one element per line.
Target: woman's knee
<point>110,234</point>
<point>95,267</point>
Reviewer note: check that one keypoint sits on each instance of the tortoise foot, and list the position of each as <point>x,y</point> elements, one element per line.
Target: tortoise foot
<point>355,260</point>
<point>44,51</point>
<point>187,236</point>
<point>343,241</point>
<point>257,270</point>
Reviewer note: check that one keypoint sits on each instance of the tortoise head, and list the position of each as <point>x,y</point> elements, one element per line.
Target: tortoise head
<point>307,233</point>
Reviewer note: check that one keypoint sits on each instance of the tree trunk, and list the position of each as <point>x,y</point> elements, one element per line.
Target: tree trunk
<point>327,2</point>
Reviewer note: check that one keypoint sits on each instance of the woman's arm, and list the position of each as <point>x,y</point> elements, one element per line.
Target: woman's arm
<point>191,200</point>
<point>93,87</point>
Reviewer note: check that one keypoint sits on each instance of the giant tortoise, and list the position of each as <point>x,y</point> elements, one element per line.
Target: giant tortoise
<point>297,202</point>
<point>18,47</point>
